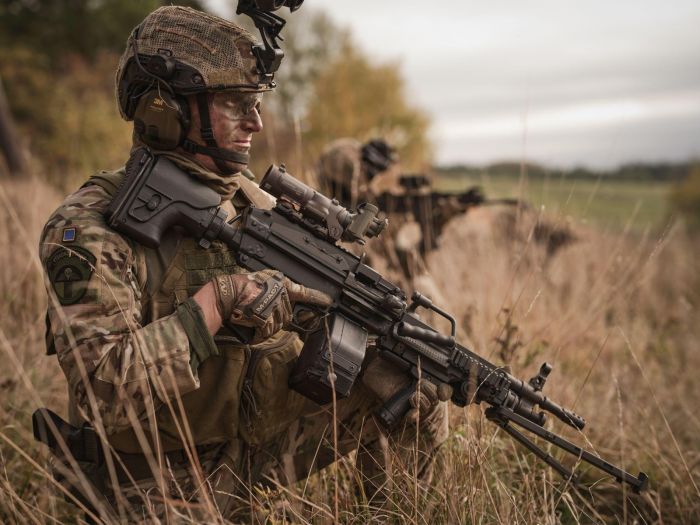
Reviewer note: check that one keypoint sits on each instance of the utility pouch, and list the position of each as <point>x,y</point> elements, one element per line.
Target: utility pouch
<point>85,447</point>
<point>267,405</point>
<point>330,359</point>
<point>83,443</point>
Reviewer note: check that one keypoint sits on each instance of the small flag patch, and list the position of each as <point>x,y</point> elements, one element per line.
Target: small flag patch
<point>68,234</point>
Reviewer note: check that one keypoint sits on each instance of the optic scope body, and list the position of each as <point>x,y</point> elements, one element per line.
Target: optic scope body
<point>341,223</point>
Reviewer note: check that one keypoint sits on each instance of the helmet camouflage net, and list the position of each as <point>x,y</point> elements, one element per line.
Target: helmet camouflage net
<point>196,52</point>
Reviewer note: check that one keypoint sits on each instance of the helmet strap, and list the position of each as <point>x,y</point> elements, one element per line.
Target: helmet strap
<point>219,155</point>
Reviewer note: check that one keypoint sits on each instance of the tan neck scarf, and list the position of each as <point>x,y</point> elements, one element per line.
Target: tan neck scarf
<point>224,185</point>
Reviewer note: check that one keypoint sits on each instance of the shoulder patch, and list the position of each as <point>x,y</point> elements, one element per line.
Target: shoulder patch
<point>69,234</point>
<point>69,270</point>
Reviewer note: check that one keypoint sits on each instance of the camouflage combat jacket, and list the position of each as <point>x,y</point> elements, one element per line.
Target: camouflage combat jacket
<point>123,325</point>
<point>340,172</point>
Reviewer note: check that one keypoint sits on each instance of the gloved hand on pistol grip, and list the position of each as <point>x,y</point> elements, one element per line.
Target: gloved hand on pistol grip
<point>426,399</point>
<point>263,300</point>
<point>385,380</point>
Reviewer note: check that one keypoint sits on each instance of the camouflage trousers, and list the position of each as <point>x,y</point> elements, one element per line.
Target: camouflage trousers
<point>376,458</point>
<point>282,439</point>
<point>226,481</point>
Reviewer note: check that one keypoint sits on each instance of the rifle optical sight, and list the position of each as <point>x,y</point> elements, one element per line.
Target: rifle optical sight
<point>332,220</point>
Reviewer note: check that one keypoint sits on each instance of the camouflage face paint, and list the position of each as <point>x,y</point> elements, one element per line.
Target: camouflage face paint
<point>236,105</point>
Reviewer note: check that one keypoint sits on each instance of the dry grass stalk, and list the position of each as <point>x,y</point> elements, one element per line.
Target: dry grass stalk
<point>616,314</point>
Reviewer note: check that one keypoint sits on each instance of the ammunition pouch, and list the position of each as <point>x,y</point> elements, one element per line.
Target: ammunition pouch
<point>330,360</point>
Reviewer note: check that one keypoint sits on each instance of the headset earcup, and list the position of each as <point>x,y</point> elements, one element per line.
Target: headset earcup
<point>161,120</point>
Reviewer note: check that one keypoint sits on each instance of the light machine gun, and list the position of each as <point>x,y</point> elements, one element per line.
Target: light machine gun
<point>430,208</point>
<point>299,238</point>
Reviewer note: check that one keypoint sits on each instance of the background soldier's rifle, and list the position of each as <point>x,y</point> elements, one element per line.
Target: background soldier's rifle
<point>299,238</point>
<point>432,209</point>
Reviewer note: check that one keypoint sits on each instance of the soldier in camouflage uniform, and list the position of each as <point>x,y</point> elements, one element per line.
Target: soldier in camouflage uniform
<point>348,169</point>
<point>190,417</point>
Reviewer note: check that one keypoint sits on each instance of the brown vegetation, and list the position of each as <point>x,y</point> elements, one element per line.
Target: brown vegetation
<point>616,315</point>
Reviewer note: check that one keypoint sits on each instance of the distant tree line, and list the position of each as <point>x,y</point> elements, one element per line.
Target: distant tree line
<point>54,28</point>
<point>637,171</point>
<point>57,63</point>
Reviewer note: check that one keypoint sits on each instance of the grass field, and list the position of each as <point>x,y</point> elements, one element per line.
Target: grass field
<point>614,205</point>
<point>615,313</point>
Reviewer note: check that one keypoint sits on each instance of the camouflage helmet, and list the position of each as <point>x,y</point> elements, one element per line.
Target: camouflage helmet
<point>190,52</point>
<point>377,156</point>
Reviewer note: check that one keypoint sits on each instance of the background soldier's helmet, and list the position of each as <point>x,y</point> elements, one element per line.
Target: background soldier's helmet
<point>188,52</point>
<point>377,156</point>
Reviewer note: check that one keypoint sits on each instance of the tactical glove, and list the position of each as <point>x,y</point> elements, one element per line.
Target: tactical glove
<point>385,380</point>
<point>262,300</point>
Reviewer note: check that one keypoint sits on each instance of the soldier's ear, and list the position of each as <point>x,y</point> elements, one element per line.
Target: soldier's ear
<point>161,120</point>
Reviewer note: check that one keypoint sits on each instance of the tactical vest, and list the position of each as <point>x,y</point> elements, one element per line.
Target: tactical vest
<point>243,392</point>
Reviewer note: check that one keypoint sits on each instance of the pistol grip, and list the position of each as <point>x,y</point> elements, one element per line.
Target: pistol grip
<point>394,410</point>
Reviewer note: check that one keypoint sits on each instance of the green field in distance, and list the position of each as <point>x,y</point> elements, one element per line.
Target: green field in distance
<point>610,204</point>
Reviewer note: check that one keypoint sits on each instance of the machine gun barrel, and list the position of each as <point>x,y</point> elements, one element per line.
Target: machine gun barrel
<point>407,330</point>
<point>536,397</point>
<point>527,394</point>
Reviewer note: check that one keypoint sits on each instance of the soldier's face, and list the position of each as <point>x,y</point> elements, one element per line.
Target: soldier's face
<point>235,117</point>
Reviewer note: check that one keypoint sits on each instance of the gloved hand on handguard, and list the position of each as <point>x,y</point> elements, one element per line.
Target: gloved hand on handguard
<point>385,380</point>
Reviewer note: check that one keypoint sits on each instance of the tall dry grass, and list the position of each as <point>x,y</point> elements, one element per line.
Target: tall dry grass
<point>616,314</point>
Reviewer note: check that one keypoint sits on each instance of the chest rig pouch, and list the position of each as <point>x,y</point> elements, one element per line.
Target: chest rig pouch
<point>243,392</point>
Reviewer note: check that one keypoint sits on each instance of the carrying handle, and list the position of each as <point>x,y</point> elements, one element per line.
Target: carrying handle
<point>420,300</point>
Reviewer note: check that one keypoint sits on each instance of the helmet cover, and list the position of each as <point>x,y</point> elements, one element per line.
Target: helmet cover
<point>197,52</point>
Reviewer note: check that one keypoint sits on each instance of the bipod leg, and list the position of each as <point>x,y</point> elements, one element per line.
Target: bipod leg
<point>493,415</point>
<point>504,416</point>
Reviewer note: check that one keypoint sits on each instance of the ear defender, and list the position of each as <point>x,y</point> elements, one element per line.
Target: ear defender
<point>161,120</point>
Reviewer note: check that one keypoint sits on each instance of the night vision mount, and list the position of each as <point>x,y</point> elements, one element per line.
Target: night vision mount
<point>269,55</point>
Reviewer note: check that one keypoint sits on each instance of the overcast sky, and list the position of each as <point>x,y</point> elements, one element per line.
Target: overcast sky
<point>566,83</point>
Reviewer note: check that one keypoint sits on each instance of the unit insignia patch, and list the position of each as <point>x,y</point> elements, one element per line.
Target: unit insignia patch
<point>69,270</point>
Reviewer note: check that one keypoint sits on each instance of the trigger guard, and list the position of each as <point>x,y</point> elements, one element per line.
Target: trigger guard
<point>295,324</point>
